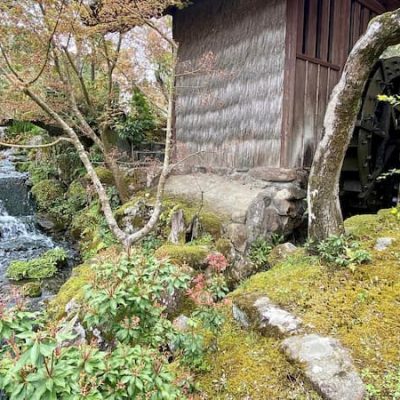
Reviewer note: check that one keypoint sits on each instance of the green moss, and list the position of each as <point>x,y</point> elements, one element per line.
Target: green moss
<point>76,196</point>
<point>194,256</point>
<point>359,308</point>
<point>224,246</point>
<point>90,228</point>
<point>141,204</point>
<point>249,366</point>
<point>48,193</point>
<point>71,289</point>
<point>105,175</point>
<point>22,166</point>
<point>210,222</point>
<point>38,268</point>
<point>32,289</point>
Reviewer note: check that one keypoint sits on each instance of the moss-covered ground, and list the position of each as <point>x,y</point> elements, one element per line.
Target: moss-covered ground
<point>360,308</point>
<point>249,366</point>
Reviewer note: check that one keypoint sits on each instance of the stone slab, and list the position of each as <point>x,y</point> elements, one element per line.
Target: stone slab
<point>219,193</point>
<point>327,365</point>
<point>383,243</point>
<point>265,316</point>
<point>274,174</point>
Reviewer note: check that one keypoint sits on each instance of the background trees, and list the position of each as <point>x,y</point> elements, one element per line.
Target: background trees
<point>76,76</point>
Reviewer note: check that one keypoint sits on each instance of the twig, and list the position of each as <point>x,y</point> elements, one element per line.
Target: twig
<point>36,146</point>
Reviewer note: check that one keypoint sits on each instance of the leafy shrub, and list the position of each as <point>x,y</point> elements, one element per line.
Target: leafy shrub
<point>261,248</point>
<point>140,123</point>
<point>341,251</point>
<point>38,268</point>
<point>217,262</point>
<point>128,355</point>
<point>41,171</point>
<point>259,252</point>
<point>23,128</point>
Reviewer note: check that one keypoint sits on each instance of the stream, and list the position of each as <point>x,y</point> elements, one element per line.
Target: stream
<point>20,238</point>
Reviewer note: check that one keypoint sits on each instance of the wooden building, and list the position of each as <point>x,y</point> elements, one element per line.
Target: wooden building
<point>256,75</point>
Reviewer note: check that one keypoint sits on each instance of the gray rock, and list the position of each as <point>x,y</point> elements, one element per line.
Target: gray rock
<point>273,174</point>
<point>45,223</point>
<point>265,316</point>
<point>261,218</point>
<point>285,207</point>
<point>177,226</point>
<point>280,252</point>
<point>239,217</point>
<point>237,234</point>
<point>181,323</point>
<point>327,365</point>
<point>240,316</point>
<point>383,243</point>
<point>241,269</point>
<point>291,192</point>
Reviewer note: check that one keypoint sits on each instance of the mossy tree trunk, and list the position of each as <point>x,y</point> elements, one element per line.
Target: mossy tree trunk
<point>325,216</point>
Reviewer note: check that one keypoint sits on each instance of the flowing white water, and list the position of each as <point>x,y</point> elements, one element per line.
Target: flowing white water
<point>20,239</point>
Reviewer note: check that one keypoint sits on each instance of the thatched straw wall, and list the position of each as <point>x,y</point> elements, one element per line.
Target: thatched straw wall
<point>232,105</point>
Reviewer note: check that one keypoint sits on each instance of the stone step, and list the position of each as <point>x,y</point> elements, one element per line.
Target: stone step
<point>259,313</point>
<point>327,365</point>
<point>324,361</point>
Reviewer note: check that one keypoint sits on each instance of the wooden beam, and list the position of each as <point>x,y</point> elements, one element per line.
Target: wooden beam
<point>373,5</point>
<point>292,20</point>
<point>318,62</point>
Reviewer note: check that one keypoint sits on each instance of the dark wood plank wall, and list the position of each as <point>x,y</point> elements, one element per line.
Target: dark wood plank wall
<point>322,33</point>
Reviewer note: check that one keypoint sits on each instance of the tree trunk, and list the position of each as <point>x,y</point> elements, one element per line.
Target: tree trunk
<point>110,154</point>
<point>325,216</point>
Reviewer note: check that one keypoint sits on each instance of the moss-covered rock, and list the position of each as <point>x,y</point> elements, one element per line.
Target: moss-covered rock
<point>48,193</point>
<point>76,196</point>
<point>32,289</point>
<point>105,175</point>
<point>39,268</point>
<point>280,252</point>
<point>90,228</point>
<point>192,255</point>
<point>135,213</point>
<point>210,222</point>
<point>224,246</point>
<point>249,366</point>
<point>71,289</point>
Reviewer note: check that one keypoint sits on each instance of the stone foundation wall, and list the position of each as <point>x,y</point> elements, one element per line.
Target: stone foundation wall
<point>278,208</point>
<point>264,200</point>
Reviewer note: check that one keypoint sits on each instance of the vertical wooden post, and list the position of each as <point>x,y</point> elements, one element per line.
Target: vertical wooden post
<point>292,18</point>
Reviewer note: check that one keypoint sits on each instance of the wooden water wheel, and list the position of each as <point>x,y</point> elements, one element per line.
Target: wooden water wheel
<point>375,145</point>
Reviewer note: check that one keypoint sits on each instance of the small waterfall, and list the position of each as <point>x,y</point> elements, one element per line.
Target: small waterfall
<point>20,239</point>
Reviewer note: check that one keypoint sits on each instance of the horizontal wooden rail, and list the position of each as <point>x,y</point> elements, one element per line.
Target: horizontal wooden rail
<point>373,5</point>
<point>318,62</point>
